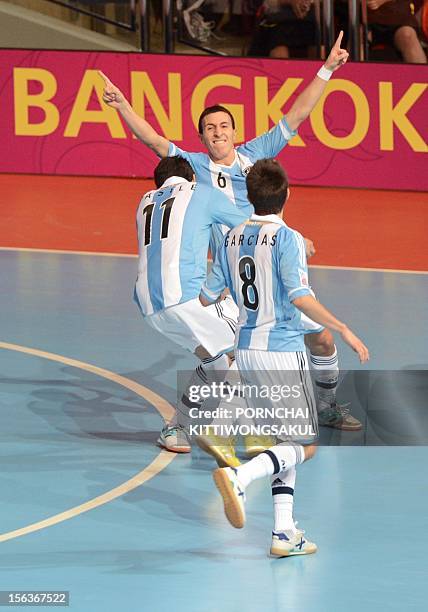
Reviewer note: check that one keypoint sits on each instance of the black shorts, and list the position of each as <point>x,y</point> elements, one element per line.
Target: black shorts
<point>384,34</point>
<point>286,31</point>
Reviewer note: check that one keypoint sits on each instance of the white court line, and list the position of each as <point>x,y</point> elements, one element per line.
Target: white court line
<point>61,252</point>
<point>160,462</point>
<point>355,269</point>
<point>313,266</point>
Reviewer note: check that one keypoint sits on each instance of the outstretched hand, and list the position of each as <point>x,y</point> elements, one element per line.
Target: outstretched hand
<point>111,94</point>
<point>337,56</point>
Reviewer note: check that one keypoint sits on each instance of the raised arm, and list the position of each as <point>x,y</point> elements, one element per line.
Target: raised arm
<point>307,100</point>
<point>316,311</point>
<point>139,126</point>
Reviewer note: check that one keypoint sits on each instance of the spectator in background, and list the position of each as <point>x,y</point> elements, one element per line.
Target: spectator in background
<point>423,18</point>
<point>285,28</point>
<point>393,22</point>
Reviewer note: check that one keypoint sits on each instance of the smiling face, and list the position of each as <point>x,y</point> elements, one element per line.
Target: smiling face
<point>218,135</point>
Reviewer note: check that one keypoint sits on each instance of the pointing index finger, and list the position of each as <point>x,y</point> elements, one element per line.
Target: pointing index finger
<point>339,40</point>
<point>104,78</point>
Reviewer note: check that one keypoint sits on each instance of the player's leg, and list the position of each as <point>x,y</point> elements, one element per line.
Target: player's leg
<point>282,486</point>
<point>232,482</point>
<point>324,361</point>
<point>254,443</point>
<point>173,436</point>
<point>186,324</point>
<point>287,538</point>
<point>217,442</point>
<point>278,462</point>
<point>215,439</point>
<point>167,322</point>
<point>209,333</point>
<point>215,334</point>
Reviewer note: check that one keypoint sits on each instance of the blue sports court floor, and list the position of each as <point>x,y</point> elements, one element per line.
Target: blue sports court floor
<point>92,506</point>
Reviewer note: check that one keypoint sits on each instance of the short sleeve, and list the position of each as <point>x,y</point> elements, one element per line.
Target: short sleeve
<point>216,280</point>
<point>292,263</point>
<point>270,143</point>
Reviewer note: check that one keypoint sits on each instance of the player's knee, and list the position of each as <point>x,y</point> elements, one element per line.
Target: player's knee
<point>321,344</point>
<point>310,451</point>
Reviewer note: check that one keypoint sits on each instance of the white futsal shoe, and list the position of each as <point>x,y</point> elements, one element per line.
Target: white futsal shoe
<point>174,439</point>
<point>233,494</point>
<point>290,543</point>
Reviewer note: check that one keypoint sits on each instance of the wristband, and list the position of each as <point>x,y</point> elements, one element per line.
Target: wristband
<point>324,73</point>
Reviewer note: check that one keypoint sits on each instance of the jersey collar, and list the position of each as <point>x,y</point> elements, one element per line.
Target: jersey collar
<point>173,180</point>
<point>226,165</point>
<point>267,219</point>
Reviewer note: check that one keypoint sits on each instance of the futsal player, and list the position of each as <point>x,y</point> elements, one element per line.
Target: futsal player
<point>225,168</point>
<point>174,223</point>
<point>263,264</point>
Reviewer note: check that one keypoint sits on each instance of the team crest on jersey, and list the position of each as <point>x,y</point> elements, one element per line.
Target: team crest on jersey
<point>303,278</point>
<point>244,163</point>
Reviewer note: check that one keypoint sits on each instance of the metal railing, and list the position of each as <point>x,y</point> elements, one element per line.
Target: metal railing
<point>138,16</point>
<point>324,14</point>
<point>172,16</point>
<point>357,33</point>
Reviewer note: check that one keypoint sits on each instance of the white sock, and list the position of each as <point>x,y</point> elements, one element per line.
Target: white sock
<point>273,461</point>
<point>231,404</point>
<point>283,499</point>
<point>326,376</point>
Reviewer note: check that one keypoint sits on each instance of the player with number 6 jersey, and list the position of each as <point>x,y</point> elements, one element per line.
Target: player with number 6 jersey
<point>225,166</point>
<point>230,177</point>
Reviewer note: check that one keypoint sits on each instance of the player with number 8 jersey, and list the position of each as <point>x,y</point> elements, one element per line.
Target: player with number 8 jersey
<point>263,263</point>
<point>264,245</point>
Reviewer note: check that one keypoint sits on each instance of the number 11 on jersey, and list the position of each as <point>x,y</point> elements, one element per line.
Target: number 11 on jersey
<point>166,214</point>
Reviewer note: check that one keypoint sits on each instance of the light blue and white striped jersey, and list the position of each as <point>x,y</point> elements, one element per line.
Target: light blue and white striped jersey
<point>231,179</point>
<point>174,224</point>
<point>263,263</point>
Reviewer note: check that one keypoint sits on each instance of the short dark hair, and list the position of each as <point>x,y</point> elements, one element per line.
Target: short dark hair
<point>267,185</point>
<point>213,109</point>
<point>172,166</point>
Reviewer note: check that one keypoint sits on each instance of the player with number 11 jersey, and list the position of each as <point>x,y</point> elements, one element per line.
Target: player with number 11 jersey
<point>174,224</point>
